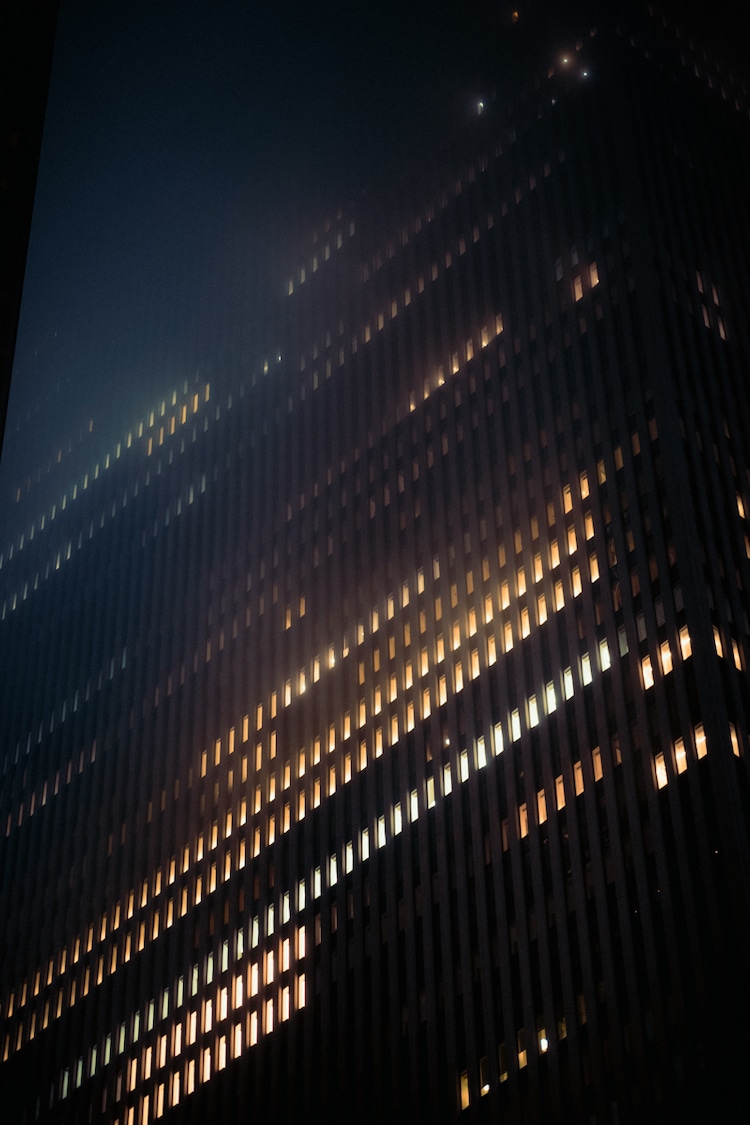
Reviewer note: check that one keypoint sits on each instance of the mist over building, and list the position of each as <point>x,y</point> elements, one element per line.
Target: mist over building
<point>374,708</point>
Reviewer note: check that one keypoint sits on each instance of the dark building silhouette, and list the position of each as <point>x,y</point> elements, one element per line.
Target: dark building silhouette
<point>375,722</point>
<point>27,32</point>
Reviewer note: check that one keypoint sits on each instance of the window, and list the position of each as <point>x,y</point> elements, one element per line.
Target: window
<point>680,756</point>
<point>568,683</point>
<point>660,770</point>
<point>586,668</point>
<point>463,1084</point>
<point>666,658</point>
<point>572,542</point>
<point>734,740</point>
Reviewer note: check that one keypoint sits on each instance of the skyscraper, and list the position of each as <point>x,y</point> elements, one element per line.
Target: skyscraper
<point>375,721</point>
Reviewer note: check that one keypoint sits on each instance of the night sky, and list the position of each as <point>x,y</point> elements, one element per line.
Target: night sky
<point>185,143</point>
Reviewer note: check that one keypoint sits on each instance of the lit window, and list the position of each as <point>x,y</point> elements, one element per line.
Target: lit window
<point>700,741</point>
<point>604,657</point>
<point>568,683</point>
<point>538,570</point>
<point>464,1090</point>
<point>572,542</point>
<point>686,647</point>
<point>661,771</point>
<point>586,668</point>
<point>680,756</point>
<point>647,672</point>
<point>666,658</point>
<point>734,740</point>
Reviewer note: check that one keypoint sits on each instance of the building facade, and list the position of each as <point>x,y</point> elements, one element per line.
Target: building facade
<point>375,724</point>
